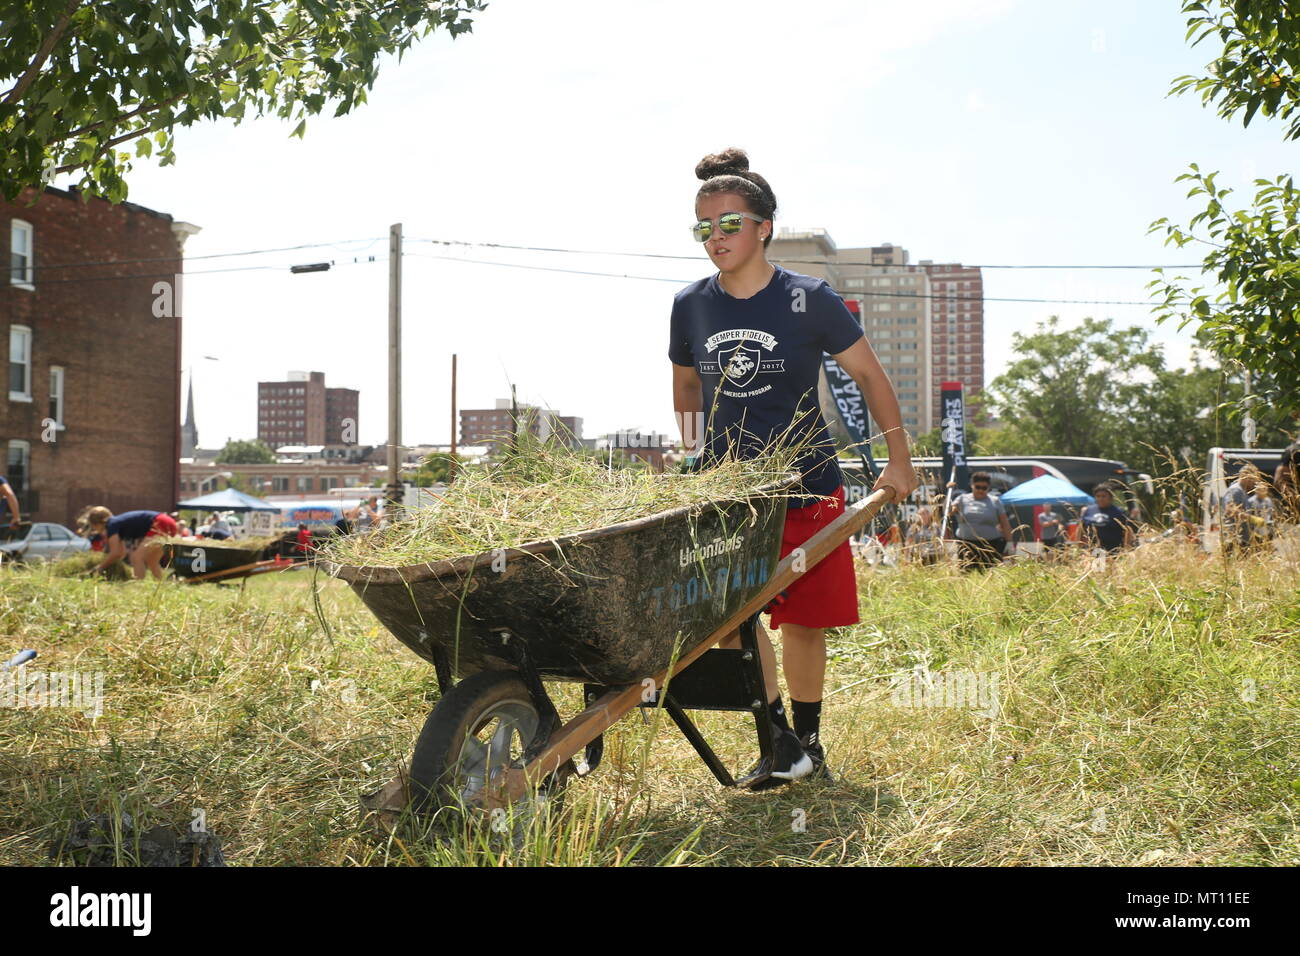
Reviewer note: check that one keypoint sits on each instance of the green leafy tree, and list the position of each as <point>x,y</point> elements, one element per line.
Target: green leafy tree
<point>1101,392</point>
<point>78,78</point>
<point>1254,255</point>
<point>1067,390</point>
<point>245,453</point>
<point>1257,68</point>
<point>1249,314</point>
<point>435,469</point>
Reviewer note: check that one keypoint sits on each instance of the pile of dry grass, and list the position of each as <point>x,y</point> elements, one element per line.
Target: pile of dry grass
<point>79,565</point>
<point>547,491</point>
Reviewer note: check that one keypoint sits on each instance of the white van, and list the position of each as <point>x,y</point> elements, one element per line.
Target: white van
<point>1221,469</point>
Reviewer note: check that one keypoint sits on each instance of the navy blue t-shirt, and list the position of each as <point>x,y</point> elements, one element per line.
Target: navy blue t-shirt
<point>1108,523</point>
<point>131,525</point>
<point>759,359</point>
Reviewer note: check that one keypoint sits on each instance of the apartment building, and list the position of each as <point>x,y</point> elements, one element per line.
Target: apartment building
<point>924,320</point>
<point>301,410</point>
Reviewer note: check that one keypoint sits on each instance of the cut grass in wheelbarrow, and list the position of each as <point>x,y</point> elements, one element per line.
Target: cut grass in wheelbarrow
<point>544,492</point>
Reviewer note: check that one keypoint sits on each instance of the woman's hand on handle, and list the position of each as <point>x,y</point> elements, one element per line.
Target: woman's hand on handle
<point>899,475</point>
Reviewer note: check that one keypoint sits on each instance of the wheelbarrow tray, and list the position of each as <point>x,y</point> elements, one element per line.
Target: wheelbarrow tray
<point>182,558</point>
<point>607,606</point>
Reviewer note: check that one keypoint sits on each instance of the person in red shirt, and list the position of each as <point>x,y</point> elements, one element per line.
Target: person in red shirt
<point>303,546</point>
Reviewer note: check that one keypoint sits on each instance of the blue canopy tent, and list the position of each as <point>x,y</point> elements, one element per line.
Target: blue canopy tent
<point>228,500</point>
<point>1046,489</point>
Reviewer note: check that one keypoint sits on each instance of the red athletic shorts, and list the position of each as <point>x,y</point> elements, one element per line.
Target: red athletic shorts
<point>826,595</point>
<point>164,524</point>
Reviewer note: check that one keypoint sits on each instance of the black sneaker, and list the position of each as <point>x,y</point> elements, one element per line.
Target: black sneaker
<point>789,763</point>
<point>812,746</point>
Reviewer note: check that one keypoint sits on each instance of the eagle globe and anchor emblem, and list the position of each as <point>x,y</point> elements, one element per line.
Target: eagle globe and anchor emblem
<point>739,364</point>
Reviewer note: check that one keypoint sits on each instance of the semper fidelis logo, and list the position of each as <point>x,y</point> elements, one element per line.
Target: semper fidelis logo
<point>742,362</point>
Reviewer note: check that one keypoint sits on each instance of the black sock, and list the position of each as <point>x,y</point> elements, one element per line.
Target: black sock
<point>778,713</point>
<point>807,718</point>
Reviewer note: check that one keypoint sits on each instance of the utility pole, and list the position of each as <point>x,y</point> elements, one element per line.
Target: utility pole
<point>393,493</point>
<point>514,420</point>
<point>451,465</point>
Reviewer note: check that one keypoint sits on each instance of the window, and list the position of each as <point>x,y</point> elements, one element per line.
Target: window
<point>20,363</point>
<point>17,465</point>
<point>56,395</point>
<point>280,484</point>
<point>853,283</point>
<point>21,272</point>
<point>304,484</point>
<point>329,483</point>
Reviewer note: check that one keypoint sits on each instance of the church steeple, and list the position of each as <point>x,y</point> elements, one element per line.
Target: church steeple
<point>189,431</point>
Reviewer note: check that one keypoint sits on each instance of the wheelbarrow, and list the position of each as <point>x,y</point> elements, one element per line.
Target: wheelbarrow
<point>632,611</point>
<point>197,563</point>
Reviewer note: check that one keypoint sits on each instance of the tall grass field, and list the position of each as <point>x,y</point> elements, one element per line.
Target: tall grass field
<point>1141,712</point>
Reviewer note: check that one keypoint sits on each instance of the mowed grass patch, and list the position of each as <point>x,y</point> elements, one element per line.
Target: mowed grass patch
<point>1143,713</point>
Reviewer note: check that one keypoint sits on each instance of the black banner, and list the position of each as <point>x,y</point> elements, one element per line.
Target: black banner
<point>952,432</point>
<point>850,402</point>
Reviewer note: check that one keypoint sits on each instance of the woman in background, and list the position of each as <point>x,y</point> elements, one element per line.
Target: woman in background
<point>982,527</point>
<point>126,536</point>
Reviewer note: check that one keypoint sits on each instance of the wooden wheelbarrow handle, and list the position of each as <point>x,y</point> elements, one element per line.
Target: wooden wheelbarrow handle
<point>614,704</point>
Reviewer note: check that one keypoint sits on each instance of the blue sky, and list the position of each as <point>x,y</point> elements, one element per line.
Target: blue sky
<point>979,131</point>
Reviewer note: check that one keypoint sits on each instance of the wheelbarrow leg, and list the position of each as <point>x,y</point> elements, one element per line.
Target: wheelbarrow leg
<point>442,668</point>
<point>692,734</point>
<point>752,671</point>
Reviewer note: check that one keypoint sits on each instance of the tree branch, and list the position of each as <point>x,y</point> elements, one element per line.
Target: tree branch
<point>47,47</point>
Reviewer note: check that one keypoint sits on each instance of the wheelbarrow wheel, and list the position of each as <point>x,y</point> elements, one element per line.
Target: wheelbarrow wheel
<point>477,732</point>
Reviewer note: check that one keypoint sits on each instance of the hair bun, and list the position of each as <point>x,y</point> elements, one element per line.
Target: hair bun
<point>729,162</point>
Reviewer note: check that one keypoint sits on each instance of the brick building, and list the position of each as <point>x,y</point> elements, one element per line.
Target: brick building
<point>91,306</point>
<point>956,328</point>
<point>490,427</point>
<point>302,411</point>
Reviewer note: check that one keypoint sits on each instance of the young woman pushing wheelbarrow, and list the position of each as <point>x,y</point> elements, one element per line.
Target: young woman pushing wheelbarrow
<point>746,347</point>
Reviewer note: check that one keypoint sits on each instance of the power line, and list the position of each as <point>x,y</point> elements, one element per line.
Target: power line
<point>876,265</point>
<point>215,255</point>
<point>339,244</point>
<point>855,292</point>
<point>860,293</point>
<point>203,272</point>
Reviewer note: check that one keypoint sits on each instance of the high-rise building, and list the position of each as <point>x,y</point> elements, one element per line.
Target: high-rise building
<point>957,328</point>
<point>302,411</point>
<point>341,415</point>
<point>900,315</point>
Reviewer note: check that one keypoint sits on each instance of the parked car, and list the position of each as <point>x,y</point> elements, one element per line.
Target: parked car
<point>43,541</point>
